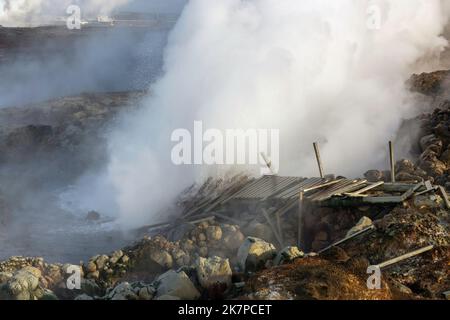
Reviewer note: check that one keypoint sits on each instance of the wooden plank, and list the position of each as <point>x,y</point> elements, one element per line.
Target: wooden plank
<point>381,200</point>
<point>350,188</point>
<point>325,194</point>
<point>428,188</point>
<point>319,160</point>
<point>444,196</point>
<point>405,256</point>
<point>396,187</point>
<point>368,188</point>
<point>272,226</point>
<point>411,191</point>
<point>323,185</point>
<point>279,230</point>
<point>197,221</point>
<point>299,219</point>
<point>268,163</point>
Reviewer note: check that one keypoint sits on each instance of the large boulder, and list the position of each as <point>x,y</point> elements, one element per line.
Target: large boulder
<point>254,253</point>
<point>214,274</point>
<point>152,256</point>
<point>25,285</point>
<point>176,284</point>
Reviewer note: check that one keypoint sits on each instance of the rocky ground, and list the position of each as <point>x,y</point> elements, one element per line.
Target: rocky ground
<point>212,259</point>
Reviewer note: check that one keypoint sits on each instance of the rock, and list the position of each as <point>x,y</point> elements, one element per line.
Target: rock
<point>406,176</point>
<point>287,255</point>
<point>48,295</point>
<point>93,216</point>
<point>90,287</point>
<point>152,258</point>
<point>427,141</point>
<point>176,284</point>
<point>167,297</point>
<point>5,276</point>
<point>203,252</point>
<point>404,165</point>
<point>401,288</point>
<point>91,267</point>
<point>180,232</point>
<point>232,238</point>
<point>214,233</point>
<point>125,259</point>
<point>374,175</point>
<point>93,275</point>
<point>201,237</point>
<point>116,256</point>
<point>433,167</point>
<point>84,297</point>
<point>188,245</point>
<point>363,223</point>
<point>254,253</point>
<point>146,293</point>
<point>131,291</point>
<point>428,201</point>
<point>23,285</point>
<point>214,274</point>
<point>101,261</point>
<point>445,157</point>
<point>446,295</point>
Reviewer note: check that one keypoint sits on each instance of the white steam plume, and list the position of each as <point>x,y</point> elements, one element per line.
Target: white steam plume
<point>311,68</point>
<point>17,13</point>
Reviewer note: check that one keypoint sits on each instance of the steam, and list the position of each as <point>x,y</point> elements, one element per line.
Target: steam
<point>312,69</point>
<point>15,13</point>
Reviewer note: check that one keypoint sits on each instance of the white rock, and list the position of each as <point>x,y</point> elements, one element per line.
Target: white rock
<point>254,253</point>
<point>176,284</point>
<point>214,272</point>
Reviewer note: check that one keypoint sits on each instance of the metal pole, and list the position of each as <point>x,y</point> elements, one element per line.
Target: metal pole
<point>319,161</point>
<point>392,160</point>
<point>404,257</point>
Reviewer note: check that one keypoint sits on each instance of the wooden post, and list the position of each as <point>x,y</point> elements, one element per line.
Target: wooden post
<point>268,162</point>
<point>319,160</point>
<point>300,219</point>
<point>392,161</point>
